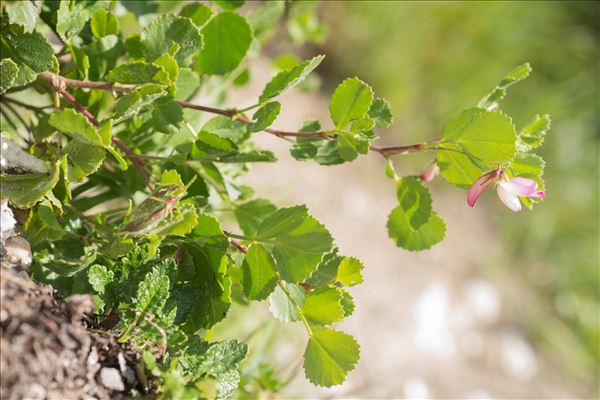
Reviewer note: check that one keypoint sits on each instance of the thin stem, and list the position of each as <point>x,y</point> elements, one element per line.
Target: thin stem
<point>298,309</point>
<point>8,120</point>
<point>71,99</point>
<point>57,81</point>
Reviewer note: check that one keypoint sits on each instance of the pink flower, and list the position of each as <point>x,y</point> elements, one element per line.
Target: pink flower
<point>508,190</point>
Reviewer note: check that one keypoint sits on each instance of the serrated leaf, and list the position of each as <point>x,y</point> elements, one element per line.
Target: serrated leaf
<point>83,159</point>
<point>153,291</point>
<point>265,116</point>
<point>209,146</point>
<point>282,307</point>
<point>299,241</point>
<point>518,74</point>
<point>71,18</point>
<point>348,273</point>
<point>286,80</point>
<point>43,226</point>
<point>457,168</point>
<point>76,126</point>
<point>23,12</point>
<point>187,83</point>
<point>380,113</point>
<point>327,270</point>
<point>415,201</point>
<point>135,73</point>
<point>133,103</point>
<point>487,136</point>
<point>104,23</point>
<point>350,145</point>
<point>350,101</point>
<point>227,128</point>
<point>532,135</point>
<point>168,117</point>
<point>229,4</point>
<point>158,37</point>
<point>198,13</point>
<point>227,38</point>
<point>400,230</point>
<point>208,232</point>
<point>323,306</point>
<point>31,52</point>
<point>329,356</point>
<point>260,273</point>
<point>8,74</point>
<point>250,215</point>
<point>249,157</point>
<point>347,303</point>
<point>179,223</point>
<point>24,190</point>
<point>99,277</point>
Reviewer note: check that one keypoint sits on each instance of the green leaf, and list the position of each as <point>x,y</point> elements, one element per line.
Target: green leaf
<point>323,306</point>
<point>158,37</point>
<point>23,12</point>
<point>187,83</point>
<point>168,117</point>
<point>8,74</point>
<point>229,4</point>
<point>350,101</point>
<point>265,17</point>
<point>104,23</point>
<point>321,150</point>
<point>135,73</point>
<point>31,52</point>
<point>208,232</point>
<point>228,128</point>
<point>532,135</point>
<point>211,146</point>
<point>329,356</point>
<point>516,75</point>
<point>152,211</point>
<point>83,159</point>
<point>153,291</point>
<point>24,190</point>
<point>351,145</point>
<point>488,136</point>
<point>76,126</point>
<point>42,226</point>
<point>248,157</point>
<point>327,270</point>
<point>133,103</point>
<point>400,230</point>
<point>99,277</point>
<point>380,113</point>
<point>299,241</point>
<point>265,116</point>
<point>249,215</point>
<point>286,80</point>
<point>198,13</point>
<point>285,308</point>
<point>414,199</point>
<point>227,38</point>
<point>457,168</point>
<point>530,166</point>
<point>260,273</point>
<point>70,19</point>
<point>347,303</point>
<point>348,273</point>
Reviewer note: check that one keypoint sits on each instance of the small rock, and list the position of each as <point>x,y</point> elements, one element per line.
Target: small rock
<point>111,379</point>
<point>18,251</point>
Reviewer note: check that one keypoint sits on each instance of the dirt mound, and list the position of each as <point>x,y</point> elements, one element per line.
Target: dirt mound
<point>48,349</point>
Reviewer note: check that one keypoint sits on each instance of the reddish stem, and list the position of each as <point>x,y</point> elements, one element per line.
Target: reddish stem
<point>69,97</point>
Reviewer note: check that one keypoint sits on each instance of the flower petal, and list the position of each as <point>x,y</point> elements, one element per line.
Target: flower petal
<point>521,186</point>
<point>478,187</point>
<point>507,197</point>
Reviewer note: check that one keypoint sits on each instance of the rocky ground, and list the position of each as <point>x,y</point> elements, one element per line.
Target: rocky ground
<point>49,350</point>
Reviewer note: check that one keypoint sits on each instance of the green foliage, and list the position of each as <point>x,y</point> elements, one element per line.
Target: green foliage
<point>141,230</point>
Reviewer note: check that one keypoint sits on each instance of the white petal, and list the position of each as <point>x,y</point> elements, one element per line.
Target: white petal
<point>509,199</point>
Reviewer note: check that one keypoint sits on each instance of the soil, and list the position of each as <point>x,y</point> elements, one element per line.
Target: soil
<point>49,350</point>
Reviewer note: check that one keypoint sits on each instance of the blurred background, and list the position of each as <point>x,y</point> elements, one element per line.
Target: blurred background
<point>508,305</point>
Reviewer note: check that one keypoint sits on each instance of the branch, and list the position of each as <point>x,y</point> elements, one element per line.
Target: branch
<point>235,243</point>
<point>58,80</point>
